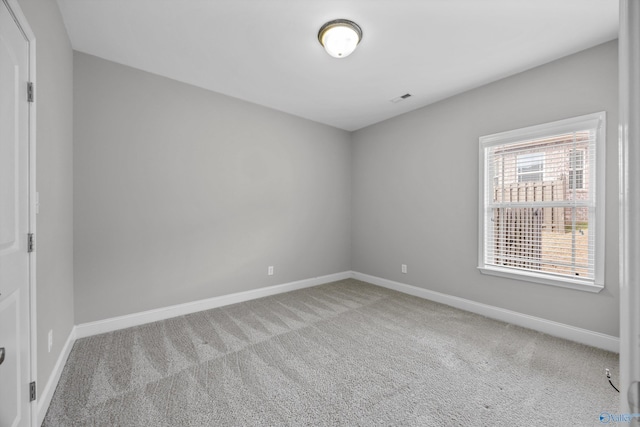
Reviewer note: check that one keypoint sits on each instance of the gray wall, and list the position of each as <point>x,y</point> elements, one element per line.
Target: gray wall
<point>54,180</point>
<point>415,188</point>
<point>183,194</point>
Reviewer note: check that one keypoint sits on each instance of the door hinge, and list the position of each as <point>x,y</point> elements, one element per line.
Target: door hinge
<point>32,391</point>
<point>30,92</point>
<point>31,242</point>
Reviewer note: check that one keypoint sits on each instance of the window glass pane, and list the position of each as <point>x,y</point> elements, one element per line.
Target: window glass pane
<point>531,239</point>
<point>557,161</point>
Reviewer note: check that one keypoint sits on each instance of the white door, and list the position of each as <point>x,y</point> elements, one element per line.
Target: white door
<point>14,224</point>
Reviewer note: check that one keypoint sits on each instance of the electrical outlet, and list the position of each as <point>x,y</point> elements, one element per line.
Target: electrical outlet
<point>404,268</point>
<point>50,339</point>
<point>270,270</point>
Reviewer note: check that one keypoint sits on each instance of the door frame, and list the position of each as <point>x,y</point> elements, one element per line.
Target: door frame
<point>629,190</point>
<point>21,21</point>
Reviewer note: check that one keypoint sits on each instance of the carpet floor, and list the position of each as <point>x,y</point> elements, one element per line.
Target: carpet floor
<point>344,353</point>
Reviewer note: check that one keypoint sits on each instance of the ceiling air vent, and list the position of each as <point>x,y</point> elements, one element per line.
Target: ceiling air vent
<point>401,98</point>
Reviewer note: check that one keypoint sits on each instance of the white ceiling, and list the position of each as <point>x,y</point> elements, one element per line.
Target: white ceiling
<point>267,52</point>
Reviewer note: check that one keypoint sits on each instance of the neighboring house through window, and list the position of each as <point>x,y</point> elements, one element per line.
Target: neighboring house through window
<point>542,203</point>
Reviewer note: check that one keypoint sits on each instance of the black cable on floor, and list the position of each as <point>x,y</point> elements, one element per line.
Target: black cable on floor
<point>609,378</point>
<point>614,387</point>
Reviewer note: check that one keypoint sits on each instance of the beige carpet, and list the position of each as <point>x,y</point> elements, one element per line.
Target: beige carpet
<point>345,353</point>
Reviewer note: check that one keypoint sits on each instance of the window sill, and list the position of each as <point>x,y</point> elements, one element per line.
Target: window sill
<point>545,279</point>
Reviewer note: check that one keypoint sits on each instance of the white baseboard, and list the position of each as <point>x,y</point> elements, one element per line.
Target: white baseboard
<point>108,325</point>
<point>45,396</point>
<point>561,330</point>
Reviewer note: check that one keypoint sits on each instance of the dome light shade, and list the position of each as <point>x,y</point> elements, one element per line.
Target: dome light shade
<point>340,37</point>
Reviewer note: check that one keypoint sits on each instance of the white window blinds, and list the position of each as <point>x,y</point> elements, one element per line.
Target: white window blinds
<point>540,215</point>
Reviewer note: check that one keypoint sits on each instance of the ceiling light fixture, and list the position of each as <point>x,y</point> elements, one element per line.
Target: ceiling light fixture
<point>340,37</point>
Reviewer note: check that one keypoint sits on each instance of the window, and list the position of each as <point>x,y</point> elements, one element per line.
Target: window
<point>576,173</point>
<point>530,166</point>
<point>542,203</point>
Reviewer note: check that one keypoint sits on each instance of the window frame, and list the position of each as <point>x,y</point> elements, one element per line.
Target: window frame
<point>595,121</point>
